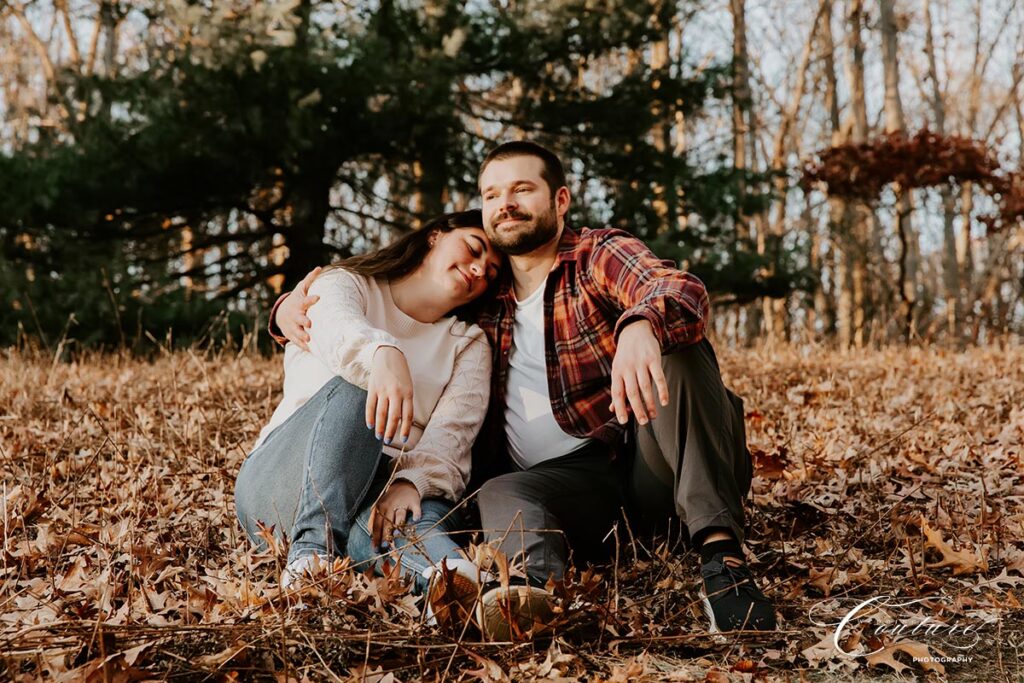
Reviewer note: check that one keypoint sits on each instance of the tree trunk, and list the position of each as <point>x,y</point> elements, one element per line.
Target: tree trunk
<point>304,236</point>
<point>740,132</point>
<point>840,222</point>
<point>664,203</point>
<point>860,216</point>
<point>950,268</point>
<point>110,16</point>
<point>894,123</point>
<point>740,103</point>
<point>430,176</point>
<point>964,249</point>
<point>775,310</point>
<point>824,302</point>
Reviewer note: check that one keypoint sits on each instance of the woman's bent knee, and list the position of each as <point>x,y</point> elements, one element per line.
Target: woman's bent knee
<point>342,394</point>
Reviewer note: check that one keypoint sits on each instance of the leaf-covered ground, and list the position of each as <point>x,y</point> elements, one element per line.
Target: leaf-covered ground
<point>894,477</point>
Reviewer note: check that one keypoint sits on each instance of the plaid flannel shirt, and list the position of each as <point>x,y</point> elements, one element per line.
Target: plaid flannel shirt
<point>602,280</point>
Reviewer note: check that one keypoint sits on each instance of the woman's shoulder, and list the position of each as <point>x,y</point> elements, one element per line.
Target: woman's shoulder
<point>339,278</point>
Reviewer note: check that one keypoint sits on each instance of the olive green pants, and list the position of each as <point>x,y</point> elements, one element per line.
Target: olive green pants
<point>691,462</point>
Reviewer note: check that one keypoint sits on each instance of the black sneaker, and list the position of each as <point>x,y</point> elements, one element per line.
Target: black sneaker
<point>732,600</point>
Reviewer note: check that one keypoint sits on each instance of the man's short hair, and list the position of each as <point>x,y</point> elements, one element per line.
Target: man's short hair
<point>552,171</point>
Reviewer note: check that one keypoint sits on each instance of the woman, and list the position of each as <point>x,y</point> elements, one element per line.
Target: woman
<point>388,371</point>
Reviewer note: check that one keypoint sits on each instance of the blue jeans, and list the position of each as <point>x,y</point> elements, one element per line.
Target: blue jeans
<point>315,479</point>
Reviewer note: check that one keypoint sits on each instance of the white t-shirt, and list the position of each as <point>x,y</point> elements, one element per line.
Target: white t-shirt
<point>533,434</point>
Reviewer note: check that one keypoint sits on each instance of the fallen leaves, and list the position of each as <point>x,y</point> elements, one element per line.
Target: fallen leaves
<point>827,580</point>
<point>234,652</point>
<point>770,465</point>
<point>488,672</point>
<point>897,472</point>
<point>961,561</point>
<point>920,654</point>
<point>821,651</point>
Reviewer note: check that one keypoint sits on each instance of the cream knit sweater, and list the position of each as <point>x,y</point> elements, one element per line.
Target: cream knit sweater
<point>449,361</point>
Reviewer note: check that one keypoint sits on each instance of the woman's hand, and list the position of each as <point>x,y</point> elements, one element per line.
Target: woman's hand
<point>291,314</point>
<point>392,511</point>
<point>389,395</point>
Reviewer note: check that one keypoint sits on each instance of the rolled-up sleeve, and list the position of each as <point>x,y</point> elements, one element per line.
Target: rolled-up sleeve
<point>675,302</point>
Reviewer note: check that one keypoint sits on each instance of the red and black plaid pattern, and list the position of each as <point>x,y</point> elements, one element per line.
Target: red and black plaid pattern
<point>602,280</point>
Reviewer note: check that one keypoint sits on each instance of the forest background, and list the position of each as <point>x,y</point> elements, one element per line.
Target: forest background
<point>841,171</point>
<point>845,175</point>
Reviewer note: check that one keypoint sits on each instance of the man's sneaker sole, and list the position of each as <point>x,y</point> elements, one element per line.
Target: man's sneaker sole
<point>709,612</point>
<point>511,613</point>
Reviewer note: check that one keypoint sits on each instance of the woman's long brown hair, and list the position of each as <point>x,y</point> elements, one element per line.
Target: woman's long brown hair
<point>405,255</point>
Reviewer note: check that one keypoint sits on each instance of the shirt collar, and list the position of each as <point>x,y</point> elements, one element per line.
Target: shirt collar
<point>567,244</point>
<point>567,251</point>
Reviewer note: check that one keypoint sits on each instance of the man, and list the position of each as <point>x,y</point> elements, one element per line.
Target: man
<point>599,353</point>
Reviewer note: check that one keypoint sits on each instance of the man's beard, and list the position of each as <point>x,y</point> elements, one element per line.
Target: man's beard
<point>527,237</point>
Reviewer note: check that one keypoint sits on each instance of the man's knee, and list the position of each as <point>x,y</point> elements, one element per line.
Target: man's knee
<point>505,502</point>
<point>251,505</point>
<point>503,487</point>
<point>691,360</point>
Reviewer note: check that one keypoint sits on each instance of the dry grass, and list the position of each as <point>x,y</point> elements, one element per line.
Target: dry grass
<point>879,473</point>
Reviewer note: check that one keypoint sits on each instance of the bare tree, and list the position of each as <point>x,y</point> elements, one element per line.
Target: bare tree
<point>744,133</point>
<point>950,267</point>
<point>665,205</point>
<point>840,211</point>
<point>782,143</point>
<point>856,215</point>
<point>895,123</point>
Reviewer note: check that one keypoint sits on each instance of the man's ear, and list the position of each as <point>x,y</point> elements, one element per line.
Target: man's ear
<point>562,199</point>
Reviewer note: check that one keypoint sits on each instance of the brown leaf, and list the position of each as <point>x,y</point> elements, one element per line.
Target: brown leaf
<point>770,465</point>
<point>918,651</point>
<point>716,676</point>
<point>824,579</point>
<point>219,659</point>
<point>489,671</point>
<point>821,651</point>
<point>962,561</point>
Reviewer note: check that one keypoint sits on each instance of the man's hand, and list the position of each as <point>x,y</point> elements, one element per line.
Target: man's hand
<point>389,395</point>
<point>637,373</point>
<point>291,314</point>
<point>392,511</point>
